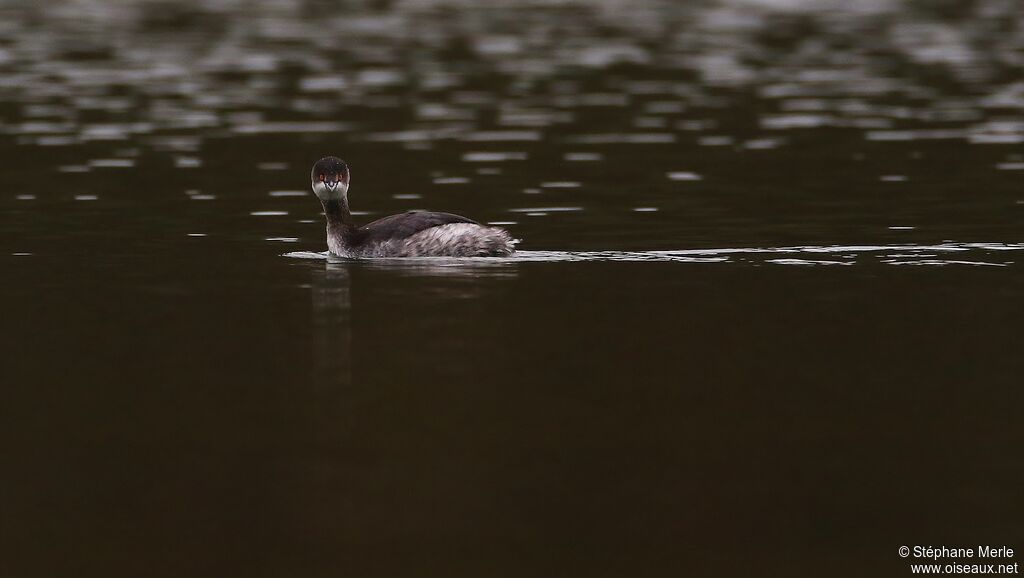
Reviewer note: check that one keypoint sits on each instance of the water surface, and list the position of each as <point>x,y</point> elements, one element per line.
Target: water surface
<point>765,318</point>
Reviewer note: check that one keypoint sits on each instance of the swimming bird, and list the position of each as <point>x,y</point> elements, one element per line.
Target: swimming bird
<point>410,234</point>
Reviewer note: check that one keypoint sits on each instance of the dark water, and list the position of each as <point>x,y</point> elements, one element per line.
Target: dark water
<point>766,319</point>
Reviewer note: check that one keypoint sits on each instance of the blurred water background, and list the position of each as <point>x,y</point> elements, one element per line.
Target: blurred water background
<point>765,320</point>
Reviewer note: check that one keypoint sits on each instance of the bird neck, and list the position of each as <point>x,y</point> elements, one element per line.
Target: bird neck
<point>338,214</point>
<point>340,227</point>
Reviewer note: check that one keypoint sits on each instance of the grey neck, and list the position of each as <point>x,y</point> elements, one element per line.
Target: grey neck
<point>338,213</point>
<point>339,225</point>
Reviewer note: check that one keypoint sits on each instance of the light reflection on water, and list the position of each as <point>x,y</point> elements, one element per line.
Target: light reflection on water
<point>332,322</point>
<point>581,105</point>
<point>236,70</point>
<point>966,254</point>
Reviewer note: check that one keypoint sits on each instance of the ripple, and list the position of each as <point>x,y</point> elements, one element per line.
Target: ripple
<point>291,127</point>
<point>944,262</point>
<point>502,136</point>
<point>546,210</point>
<point>634,138</point>
<point>807,262</point>
<point>111,163</point>
<point>794,121</point>
<point>493,157</point>
<point>715,141</point>
<point>763,143</point>
<point>187,162</point>
<point>55,141</point>
<point>908,254</point>
<point>684,176</point>
<point>912,135</point>
<point>583,157</point>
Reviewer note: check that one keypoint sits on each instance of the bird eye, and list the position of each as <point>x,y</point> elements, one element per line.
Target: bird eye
<point>321,176</point>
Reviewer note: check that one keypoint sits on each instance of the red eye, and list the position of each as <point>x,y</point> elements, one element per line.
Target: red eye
<point>321,177</point>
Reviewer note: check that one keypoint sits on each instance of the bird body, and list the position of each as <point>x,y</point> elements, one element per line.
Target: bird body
<point>410,234</point>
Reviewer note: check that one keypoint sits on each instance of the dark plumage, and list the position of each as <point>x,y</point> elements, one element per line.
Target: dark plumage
<point>404,225</point>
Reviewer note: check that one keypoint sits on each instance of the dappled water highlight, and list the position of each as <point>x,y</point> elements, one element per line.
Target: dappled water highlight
<point>951,253</point>
<point>618,126</point>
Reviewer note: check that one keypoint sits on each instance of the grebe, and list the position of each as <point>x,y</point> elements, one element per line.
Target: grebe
<point>411,234</point>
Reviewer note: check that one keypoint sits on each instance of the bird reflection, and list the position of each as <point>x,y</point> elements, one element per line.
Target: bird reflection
<point>332,303</point>
<point>332,326</point>
<point>446,267</point>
